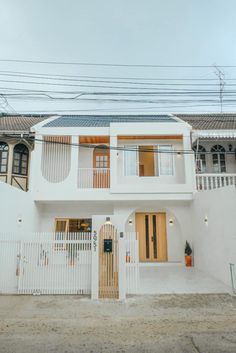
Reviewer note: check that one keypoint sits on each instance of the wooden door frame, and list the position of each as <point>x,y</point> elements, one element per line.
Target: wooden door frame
<point>164,250</point>
<point>101,152</point>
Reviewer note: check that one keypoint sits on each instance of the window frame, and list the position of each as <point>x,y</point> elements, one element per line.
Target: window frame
<point>200,151</point>
<point>21,160</point>
<point>158,155</point>
<point>218,151</point>
<point>4,149</point>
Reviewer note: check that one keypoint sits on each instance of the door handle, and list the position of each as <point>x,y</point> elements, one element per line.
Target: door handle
<point>152,238</point>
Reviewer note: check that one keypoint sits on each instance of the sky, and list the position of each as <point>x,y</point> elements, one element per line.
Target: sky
<point>124,32</point>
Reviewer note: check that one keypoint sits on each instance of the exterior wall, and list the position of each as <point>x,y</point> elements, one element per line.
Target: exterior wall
<point>120,215</point>
<point>18,213</point>
<point>215,240</point>
<point>230,158</point>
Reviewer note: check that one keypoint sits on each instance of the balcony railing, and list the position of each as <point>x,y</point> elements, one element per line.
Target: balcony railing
<point>94,178</point>
<point>214,181</point>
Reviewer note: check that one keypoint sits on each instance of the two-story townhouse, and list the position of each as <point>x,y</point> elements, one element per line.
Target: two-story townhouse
<point>107,176</point>
<point>135,170</point>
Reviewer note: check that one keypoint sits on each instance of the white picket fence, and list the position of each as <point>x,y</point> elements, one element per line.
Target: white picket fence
<point>51,263</point>
<point>132,263</point>
<point>56,263</point>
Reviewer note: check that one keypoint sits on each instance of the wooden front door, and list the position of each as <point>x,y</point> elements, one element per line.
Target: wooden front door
<point>101,165</point>
<point>151,229</point>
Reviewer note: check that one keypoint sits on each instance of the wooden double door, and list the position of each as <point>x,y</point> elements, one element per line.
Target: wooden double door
<point>151,230</point>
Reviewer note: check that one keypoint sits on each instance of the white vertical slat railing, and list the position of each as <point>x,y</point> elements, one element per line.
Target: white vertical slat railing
<point>47,263</point>
<point>93,178</point>
<point>132,263</point>
<point>214,181</point>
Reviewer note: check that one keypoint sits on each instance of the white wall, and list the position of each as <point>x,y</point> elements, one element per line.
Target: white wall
<point>215,242</point>
<point>16,205</point>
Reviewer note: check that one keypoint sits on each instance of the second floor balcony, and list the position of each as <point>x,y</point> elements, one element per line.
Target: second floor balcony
<point>105,169</point>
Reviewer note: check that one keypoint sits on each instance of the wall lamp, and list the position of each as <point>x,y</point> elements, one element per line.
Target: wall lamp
<point>108,221</point>
<point>171,222</point>
<point>130,222</point>
<point>206,220</point>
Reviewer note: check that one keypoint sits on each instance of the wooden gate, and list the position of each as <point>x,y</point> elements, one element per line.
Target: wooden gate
<point>108,262</point>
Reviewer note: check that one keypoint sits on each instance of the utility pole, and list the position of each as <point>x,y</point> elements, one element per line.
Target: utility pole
<point>221,77</point>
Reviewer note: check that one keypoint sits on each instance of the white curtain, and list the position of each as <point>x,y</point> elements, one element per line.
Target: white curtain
<point>165,157</point>
<point>131,160</point>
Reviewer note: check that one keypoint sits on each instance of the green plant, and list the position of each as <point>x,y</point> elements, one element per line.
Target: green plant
<point>188,250</point>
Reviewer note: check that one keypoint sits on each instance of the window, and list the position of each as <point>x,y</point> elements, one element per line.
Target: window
<point>3,157</point>
<point>71,229</point>
<point>20,160</point>
<point>131,160</point>
<point>218,159</point>
<point>200,157</point>
<point>146,161</point>
<point>165,158</point>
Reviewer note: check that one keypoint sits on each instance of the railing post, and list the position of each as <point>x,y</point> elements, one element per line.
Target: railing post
<point>122,267</point>
<point>95,266</point>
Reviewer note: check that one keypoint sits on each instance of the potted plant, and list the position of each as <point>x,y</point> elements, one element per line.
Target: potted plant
<point>188,255</point>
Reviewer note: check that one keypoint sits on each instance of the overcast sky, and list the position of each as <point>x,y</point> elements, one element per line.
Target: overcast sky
<point>158,32</point>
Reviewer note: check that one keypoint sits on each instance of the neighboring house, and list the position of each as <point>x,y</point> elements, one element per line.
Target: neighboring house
<point>214,137</point>
<point>15,148</point>
<point>107,175</point>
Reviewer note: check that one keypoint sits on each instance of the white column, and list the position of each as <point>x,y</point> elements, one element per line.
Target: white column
<point>73,177</point>
<point>35,173</point>
<point>95,265</point>
<point>122,267</point>
<point>113,162</point>
<point>189,164</point>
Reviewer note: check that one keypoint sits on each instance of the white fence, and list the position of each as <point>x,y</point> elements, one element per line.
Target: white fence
<point>214,181</point>
<point>93,178</point>
<point>54,263</point>
<point>132,263</point>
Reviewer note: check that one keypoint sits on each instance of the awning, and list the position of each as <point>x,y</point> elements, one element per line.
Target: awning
<point>214,134</point>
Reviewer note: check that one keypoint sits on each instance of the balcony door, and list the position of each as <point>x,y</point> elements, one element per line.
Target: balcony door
<point>151,229</point>
<point>101,165</point>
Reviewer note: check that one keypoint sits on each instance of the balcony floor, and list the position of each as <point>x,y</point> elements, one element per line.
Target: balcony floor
<point>177,279</point>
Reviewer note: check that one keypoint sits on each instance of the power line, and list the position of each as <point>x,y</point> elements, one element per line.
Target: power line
<point>110,64</point>
<point>124,149</point>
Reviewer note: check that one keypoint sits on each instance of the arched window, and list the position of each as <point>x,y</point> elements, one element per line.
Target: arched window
<point>3,157</point>
<point>20,160</point>
<point>218,159</point>
<point>200,157</point>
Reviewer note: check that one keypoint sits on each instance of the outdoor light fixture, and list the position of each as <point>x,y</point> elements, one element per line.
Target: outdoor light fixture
<point>108,220</point>
<point>171,222</point>
<point>206,220</point>
<point>179,154</point>
<point>130,222</point>
<point>230,147</point>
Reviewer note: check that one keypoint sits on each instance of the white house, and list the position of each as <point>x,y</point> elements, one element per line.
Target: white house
<point>123,189</point>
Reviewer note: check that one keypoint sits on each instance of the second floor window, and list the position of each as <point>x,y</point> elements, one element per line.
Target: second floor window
<point>218,159</point>
<point>20,160</point>
<point>146,161</point>
<point>3,157</point>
